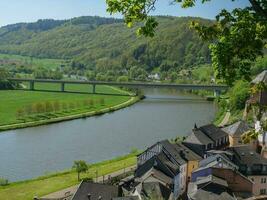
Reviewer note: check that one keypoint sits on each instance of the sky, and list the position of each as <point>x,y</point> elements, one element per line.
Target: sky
<point>15,11</point>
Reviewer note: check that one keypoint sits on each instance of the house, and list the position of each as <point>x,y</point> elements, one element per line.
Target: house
<point>190,157</point>
<point>261,97</point>
<point>164,157</point>
<point>152,185</point>
<point>218,159</point>
<point>239,184</point>
<point>209,188</point>
<point>206,138</point>
<point>252,165</point>
<point>154,76</point>
<point>235,131</point>
<point>93,191</point>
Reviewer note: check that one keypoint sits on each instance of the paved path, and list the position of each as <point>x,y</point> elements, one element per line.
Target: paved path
<point>225,119</point>
<point>68,192</point>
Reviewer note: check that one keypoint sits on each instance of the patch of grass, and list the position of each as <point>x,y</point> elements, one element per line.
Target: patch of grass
<point>8,60</point>
<point>12,100</point>
<point>26,190</point>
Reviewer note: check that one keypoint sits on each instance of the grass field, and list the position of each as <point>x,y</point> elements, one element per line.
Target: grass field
<point>7,60</point>
<point>45,185</point>
<point>12,100</point>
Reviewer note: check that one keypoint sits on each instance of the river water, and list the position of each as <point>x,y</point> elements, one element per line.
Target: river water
<point>164,114</point>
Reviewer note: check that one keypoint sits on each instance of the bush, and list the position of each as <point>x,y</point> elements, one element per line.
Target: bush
<point>238,95</point>
<point>3,182</point>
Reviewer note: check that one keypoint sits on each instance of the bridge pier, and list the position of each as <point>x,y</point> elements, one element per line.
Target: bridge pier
<point>217,93</point>
<point>62,87</point>
<point>94,88</point>
<point>31,85</point>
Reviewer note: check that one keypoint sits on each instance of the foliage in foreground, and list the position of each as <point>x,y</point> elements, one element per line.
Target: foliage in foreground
<point>237,37</point>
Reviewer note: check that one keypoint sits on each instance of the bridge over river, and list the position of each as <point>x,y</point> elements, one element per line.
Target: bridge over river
<point>136,85</point>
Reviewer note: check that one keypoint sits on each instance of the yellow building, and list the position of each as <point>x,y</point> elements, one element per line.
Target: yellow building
<point>190,157</point>
<point>235,131</point>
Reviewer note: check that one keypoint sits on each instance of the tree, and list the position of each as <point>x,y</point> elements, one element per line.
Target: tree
<point>28,109</point>
<point>80,166</point>
<point>39,107</point>
<point>48,106</point>
<point>238,95</point>
<point>102,101</point>
<point>237,38</point>
<point>56,106</point>
<point>4,83</point>
<point>20,113</point>
<point>64,106</point>
<point>122,79</point>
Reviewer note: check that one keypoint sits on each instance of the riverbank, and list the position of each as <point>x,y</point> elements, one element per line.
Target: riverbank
<point>42,186</point>
<point>112,103</point>
<point>130,102</point>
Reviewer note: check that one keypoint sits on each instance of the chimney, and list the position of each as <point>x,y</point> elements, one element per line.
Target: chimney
<point>89,196</point>
<point>195,127</point>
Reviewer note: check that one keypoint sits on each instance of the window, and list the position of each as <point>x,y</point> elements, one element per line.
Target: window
<point>263,180</point>
<point>262,191</point>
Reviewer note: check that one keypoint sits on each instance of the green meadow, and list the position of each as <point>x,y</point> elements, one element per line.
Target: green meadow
<point>11,101</point>
<point>7,60</point>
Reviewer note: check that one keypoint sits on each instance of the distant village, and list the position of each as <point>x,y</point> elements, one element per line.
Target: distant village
<point>212,163</point>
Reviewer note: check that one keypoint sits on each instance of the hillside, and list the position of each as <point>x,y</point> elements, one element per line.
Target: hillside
<point>106,46</point>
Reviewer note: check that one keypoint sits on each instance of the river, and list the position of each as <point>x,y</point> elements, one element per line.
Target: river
<point>164,114</point>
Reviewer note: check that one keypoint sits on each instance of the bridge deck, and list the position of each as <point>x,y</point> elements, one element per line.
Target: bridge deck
<point>129,84</point>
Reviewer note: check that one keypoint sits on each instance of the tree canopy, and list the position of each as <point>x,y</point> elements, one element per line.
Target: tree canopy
<point>80,166</point>
<point>237,37</point>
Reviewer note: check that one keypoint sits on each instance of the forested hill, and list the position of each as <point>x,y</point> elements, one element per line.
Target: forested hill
<point>104,44</point>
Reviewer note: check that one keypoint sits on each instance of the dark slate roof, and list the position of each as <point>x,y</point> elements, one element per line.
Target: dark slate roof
<point>245,155</point>
<point>215,160</point>
<point>167,162</point>
<point>157,175</point>
<point>213,132</point>
<point>160,162</point>
<point>212,179</point>
<point>237,129</point>
<point>198,137</point>
<point>126,198</point>
<point>170,148</point>
<point>210,188</point>
<point>186,153</point>
<point>262,77</point>
<point>155,191</point>
<point>107,192</point>
<point>203,194</point>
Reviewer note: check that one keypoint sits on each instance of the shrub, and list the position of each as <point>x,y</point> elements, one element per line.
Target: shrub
<point>20,113</point>
<point>56,106</point>
<point>102,101</point>
<point>64,106</point>
<point>238,95</point>
<point>3,182</point>
<point>48,106</point>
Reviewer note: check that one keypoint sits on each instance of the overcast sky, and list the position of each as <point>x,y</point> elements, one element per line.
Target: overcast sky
<point>14,11</point>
